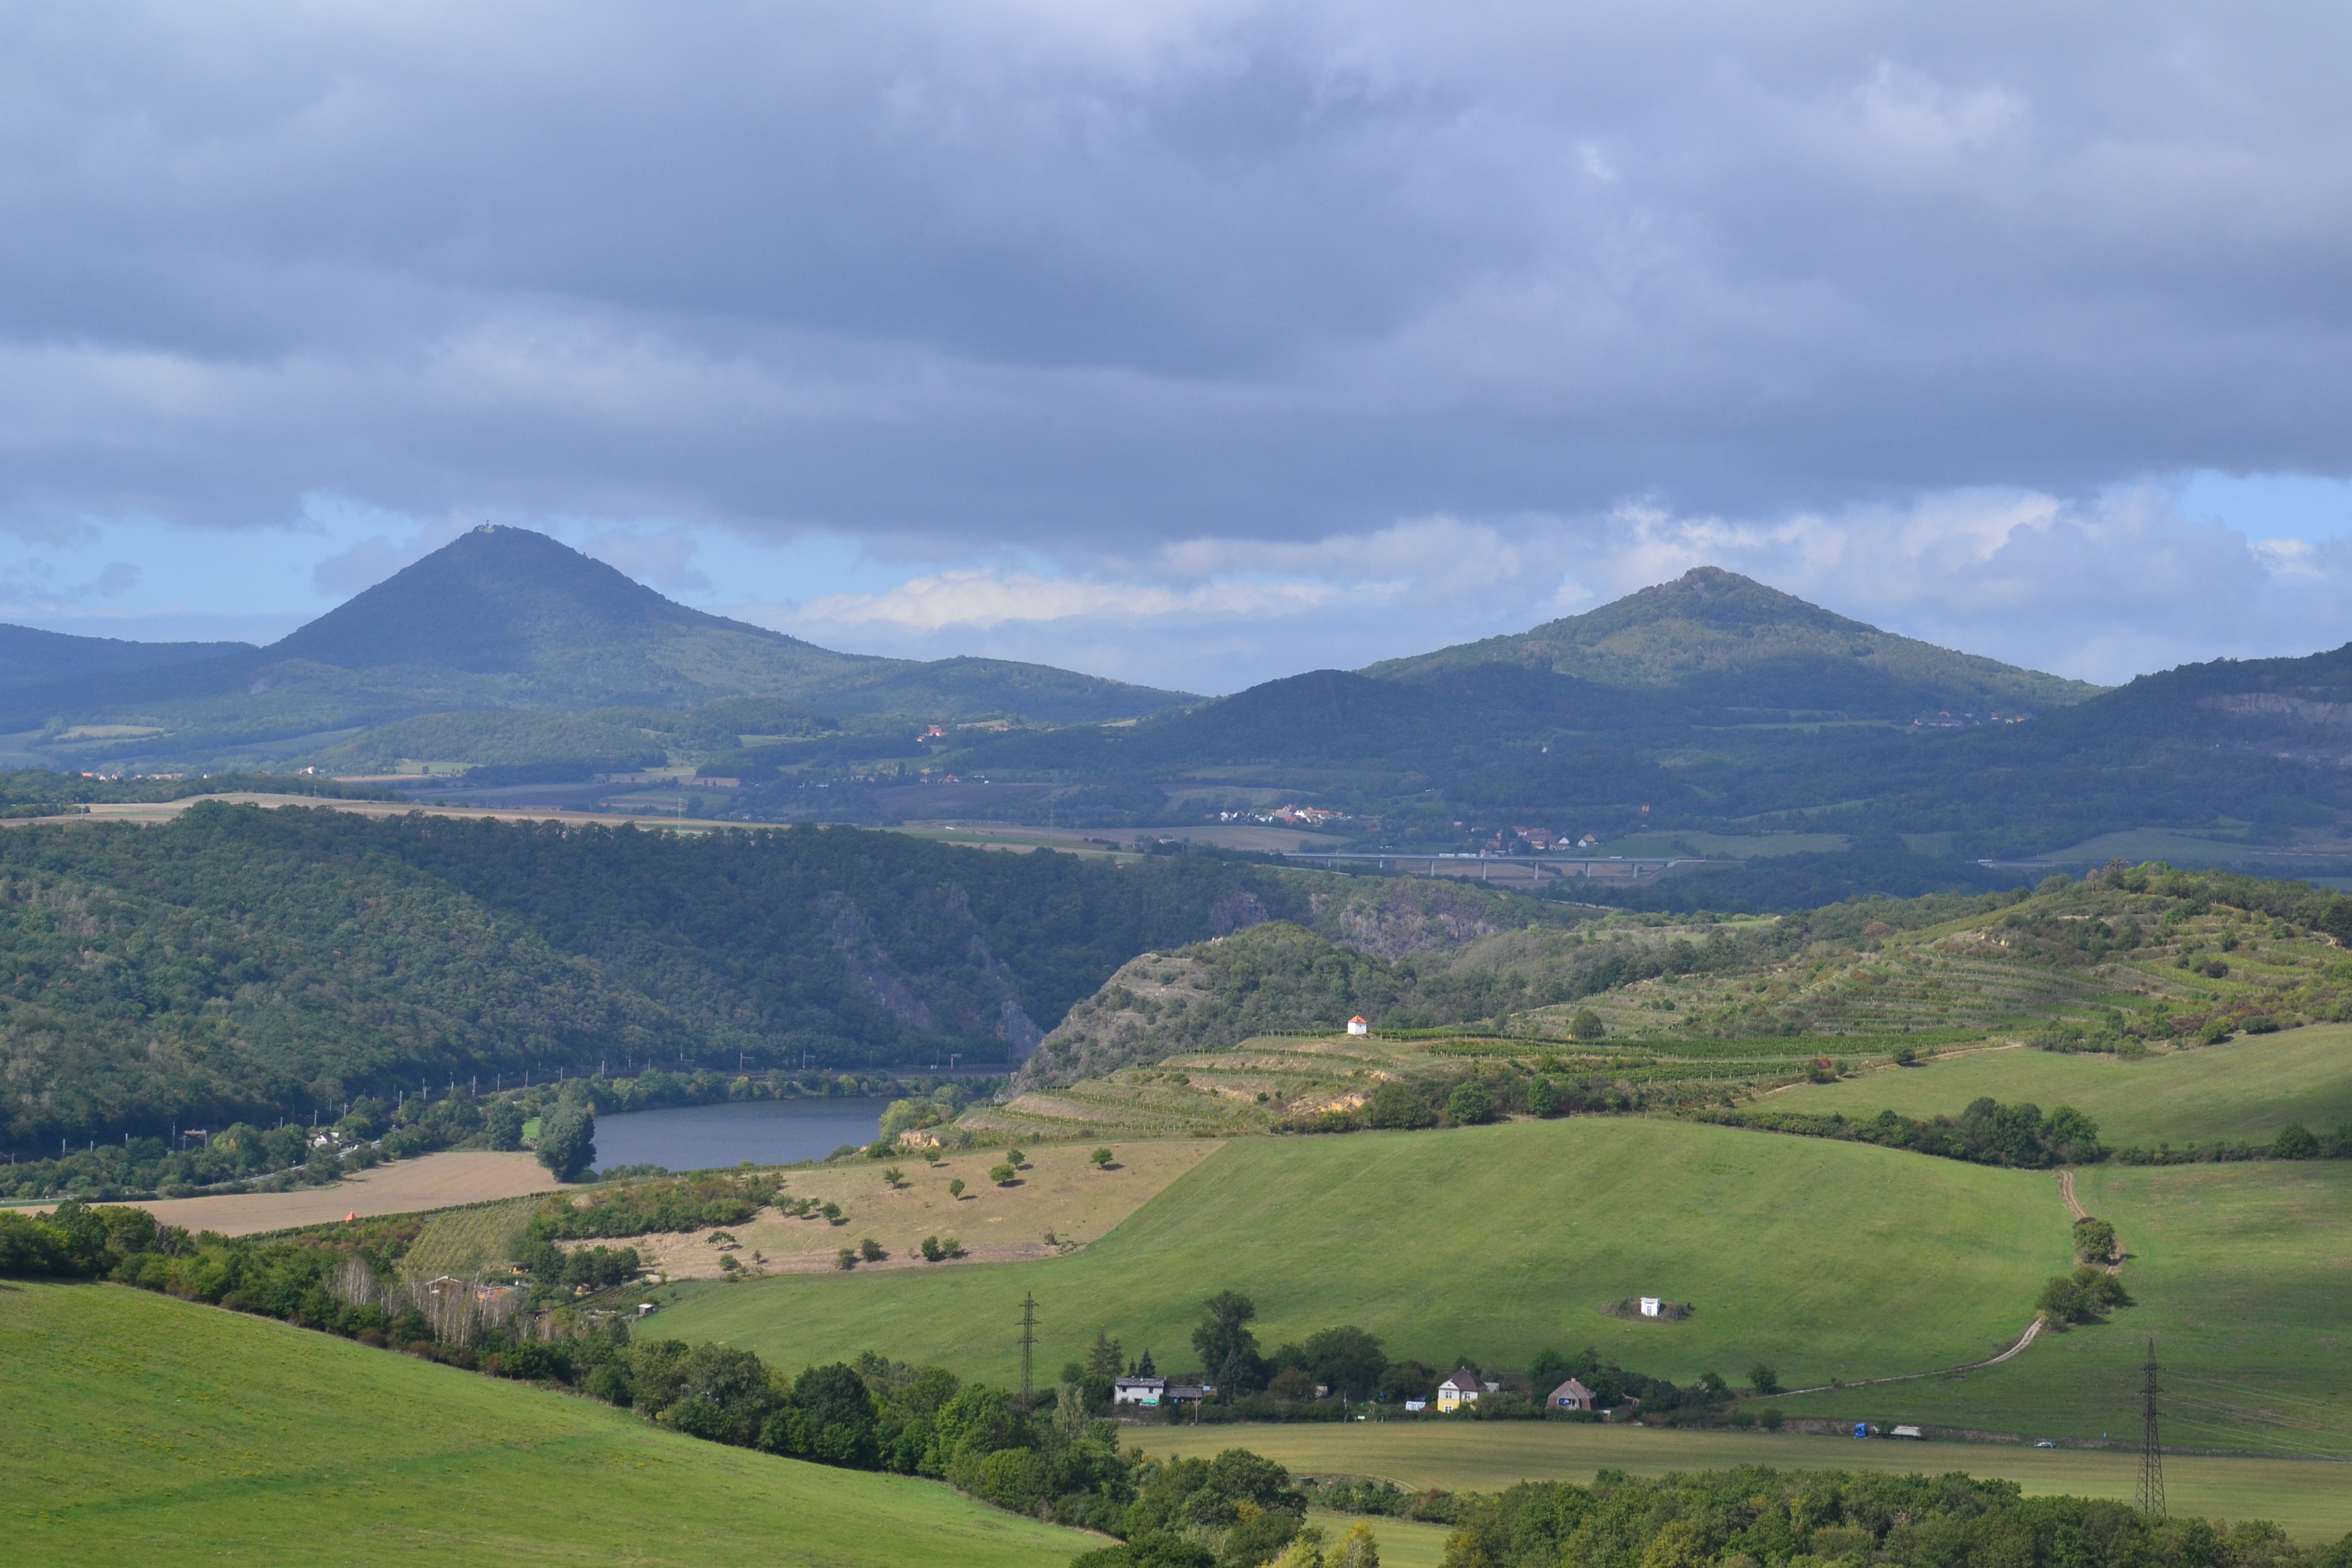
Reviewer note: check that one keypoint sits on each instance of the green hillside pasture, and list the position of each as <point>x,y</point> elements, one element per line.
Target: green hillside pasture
<point>2247,1088</point>
<point>2242,1273</point>
<point>146,1429</point>
<point>2312,1500</point>
<point>1492,1244</point>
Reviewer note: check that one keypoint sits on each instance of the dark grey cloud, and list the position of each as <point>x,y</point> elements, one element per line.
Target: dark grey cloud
<point>1092,279</point>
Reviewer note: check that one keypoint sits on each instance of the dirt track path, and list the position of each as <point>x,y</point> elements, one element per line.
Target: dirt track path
<point>2032,1330</point>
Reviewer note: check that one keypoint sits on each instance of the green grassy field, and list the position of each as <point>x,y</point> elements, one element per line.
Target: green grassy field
<point>1492,1244</point>
<point>2313,1501</point>
<point>148,1429</point>
<point>1402,1542</point>
<point>2243,1275</point>
<point>2246,1088</point>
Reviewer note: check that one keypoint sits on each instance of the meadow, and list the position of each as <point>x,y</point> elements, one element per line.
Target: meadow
<point>2312,1500</point>
<point>2241,1273</point>
<point>146,1428</point>
<point>1492,1244</point>
<point>2246,1088</point>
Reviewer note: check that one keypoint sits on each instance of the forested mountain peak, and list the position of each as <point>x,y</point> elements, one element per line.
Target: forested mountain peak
<point>500,601</point>
<point>1710,622</point>
<point>500,620</point>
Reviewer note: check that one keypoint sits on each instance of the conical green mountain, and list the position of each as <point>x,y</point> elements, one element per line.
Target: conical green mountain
<point>506,618</point>
<point>1710,622</point>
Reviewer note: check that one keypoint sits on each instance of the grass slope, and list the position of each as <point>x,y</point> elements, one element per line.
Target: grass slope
<point>2312,1500</point>
<point>2247,1088</point>
<point>2240,1272</point>
<point>1492,1243</point>
<point>148,1429</point>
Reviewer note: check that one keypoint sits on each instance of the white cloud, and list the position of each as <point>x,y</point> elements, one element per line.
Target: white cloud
<point>2102,588</point>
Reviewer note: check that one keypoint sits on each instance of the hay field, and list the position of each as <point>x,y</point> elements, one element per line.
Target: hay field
<point>2246,1088</point>
<point>1490,1243</point>
<point>146,1429</point>
<point>1059,1190</point>
<point>2312,1500</point>
<point>405,1186</point>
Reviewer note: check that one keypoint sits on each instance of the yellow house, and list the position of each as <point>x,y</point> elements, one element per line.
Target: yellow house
<point>1463,1388</point>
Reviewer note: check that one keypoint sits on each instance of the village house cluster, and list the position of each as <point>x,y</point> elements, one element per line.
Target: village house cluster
<point>1538,841</point>
<point>1287,816</point>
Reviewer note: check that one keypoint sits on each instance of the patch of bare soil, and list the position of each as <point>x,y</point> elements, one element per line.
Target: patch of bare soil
<point>405,1186</point>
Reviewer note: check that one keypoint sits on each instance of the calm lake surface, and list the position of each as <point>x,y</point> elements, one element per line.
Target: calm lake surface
<point>769,1132</point>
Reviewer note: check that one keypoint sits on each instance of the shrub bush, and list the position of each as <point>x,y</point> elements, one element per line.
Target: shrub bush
<point>1471,1103</point>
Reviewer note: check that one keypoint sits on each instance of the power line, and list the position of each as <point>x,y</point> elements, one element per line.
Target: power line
<point>2151,1451</point>
<point>1028,1343</point>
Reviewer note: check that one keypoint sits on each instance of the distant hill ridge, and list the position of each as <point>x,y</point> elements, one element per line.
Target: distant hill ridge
<point>505,618</point>
<point>1711,622</point>
<point>33,658</point>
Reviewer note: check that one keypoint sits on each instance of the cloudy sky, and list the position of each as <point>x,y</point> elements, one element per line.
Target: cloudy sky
<point>1191,342</point>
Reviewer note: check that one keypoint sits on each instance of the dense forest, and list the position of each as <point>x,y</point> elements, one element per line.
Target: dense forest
<point>242,964</point>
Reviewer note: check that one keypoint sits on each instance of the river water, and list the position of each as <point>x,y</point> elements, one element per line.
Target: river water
<point>767,1132</point>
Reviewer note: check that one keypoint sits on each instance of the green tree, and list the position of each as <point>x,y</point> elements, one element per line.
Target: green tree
<point>567,1141</point>
<point>1102,1158</point>
<point>1348,1359</point>
<point>1764,1377</point>
<point>871,1250</point>
<point>1543,1098</point>
<point>894,1177</point>
<point>955,1188</point>
<point>1229,1352</point>
<point>2095,1239</point>
<point>2295,1141</point>
<point>845,1258</point>
<point>1471,1104</point>
<point>1586,1025</point>
<point>1357,1549</point>
<point>2071,1135</point>
<point>1002,1175</point>
<point>503,1120</point>
<point>1396,1104</point>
